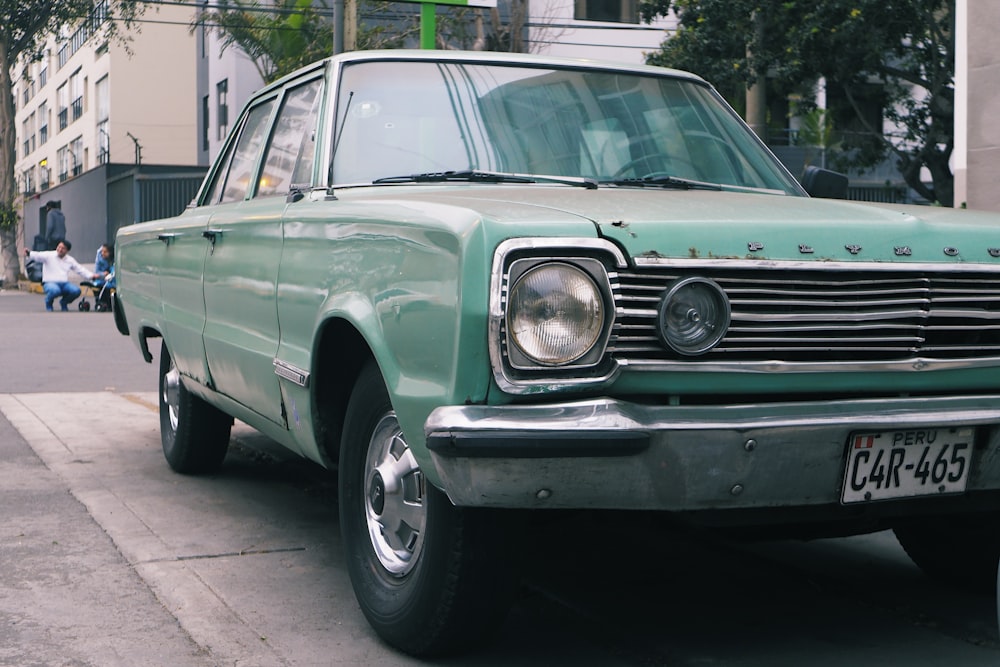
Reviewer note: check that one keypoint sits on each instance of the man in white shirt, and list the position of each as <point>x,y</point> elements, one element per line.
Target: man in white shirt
<point>56,265</point>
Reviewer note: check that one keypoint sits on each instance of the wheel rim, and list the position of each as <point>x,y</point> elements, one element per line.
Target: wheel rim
<point>171,393</point>
<point>395,508</point>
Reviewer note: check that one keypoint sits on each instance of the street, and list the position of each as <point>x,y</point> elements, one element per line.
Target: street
<point>109,558</point>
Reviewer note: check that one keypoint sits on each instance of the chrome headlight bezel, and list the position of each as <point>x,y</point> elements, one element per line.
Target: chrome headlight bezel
<point>600,260</point>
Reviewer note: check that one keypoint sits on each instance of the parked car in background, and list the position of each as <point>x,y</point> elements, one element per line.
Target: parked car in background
<point>477,283</point>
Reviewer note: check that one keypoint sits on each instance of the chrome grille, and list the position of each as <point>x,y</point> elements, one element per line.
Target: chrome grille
<point>800,315</point>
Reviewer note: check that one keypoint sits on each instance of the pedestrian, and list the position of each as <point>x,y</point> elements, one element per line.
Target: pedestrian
<point>55,224</point>
<point>56,265</point>
<point>104,266</point>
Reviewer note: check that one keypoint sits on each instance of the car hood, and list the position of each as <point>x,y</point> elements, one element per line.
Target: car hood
<point>696,224</point>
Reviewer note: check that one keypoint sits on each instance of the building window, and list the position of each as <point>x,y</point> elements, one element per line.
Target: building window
<point>101,93</point>
<point>76,156</point>
<point>103,143</point>
<point>76,93</point>
<point>103,99</point>
<point>205,121</point>
<point>62,99</point>
<point>62,163</point>
<point>29,181</point>
<point>25,130</point>
<point>222,108</point>
<point>43,123</point>
<point>44,175</point>
<point>615,11</point>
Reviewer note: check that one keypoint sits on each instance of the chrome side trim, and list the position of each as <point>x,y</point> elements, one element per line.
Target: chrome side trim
<point>291,373</point>
<point>648,261</point>
<point>902,365</point>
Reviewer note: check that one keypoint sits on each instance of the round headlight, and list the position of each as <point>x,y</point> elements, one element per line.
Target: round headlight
<point>694,316</point>
<point>555,314</point>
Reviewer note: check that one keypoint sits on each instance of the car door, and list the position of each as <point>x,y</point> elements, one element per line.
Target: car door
<point>245,245</point>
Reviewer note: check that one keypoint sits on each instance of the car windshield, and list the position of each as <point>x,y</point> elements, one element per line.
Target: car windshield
<point>618,128</point>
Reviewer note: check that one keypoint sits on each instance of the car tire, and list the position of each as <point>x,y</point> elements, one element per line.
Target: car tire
<point>194,434</point>
<point>962,551</point>
<point>431,578</point>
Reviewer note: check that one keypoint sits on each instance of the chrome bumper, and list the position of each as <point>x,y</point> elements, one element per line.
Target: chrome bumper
<point>614,454</point>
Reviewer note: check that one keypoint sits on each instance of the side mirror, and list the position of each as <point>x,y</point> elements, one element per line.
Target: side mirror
<point>824,183</point>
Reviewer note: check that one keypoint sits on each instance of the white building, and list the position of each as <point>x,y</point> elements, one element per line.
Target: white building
<point>89,102</point>
<point>976,157</point>
<point>101,124</point>
<point>596,29</point>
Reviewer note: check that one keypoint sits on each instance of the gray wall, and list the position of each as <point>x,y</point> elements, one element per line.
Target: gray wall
<point>97,203</point>
<point>84,202</point>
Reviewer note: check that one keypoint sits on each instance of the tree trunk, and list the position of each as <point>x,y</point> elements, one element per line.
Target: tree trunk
<point>8,189</point>
<point>756,94</point>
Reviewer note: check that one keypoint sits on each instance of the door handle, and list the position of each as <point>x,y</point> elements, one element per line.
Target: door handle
<point>167,238</point>
<point>212,235</point>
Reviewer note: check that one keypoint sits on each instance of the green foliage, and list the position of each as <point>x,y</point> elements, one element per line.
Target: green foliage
<point>906,45</point>
<point>376,35</point>
<point>8,216</point>
<point>817,129</point>
<point>279,37</point>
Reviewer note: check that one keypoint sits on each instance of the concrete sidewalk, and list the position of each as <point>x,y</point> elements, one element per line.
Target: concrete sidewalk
<point>241,569</point>
<point>67,596</point>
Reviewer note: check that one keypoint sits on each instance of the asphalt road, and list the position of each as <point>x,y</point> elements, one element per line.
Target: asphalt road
<point>108,558</point>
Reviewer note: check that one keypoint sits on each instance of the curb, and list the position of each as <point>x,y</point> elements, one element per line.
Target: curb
<point>28,286</point>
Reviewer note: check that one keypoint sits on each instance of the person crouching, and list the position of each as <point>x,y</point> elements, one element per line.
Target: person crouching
<point>56,265</point>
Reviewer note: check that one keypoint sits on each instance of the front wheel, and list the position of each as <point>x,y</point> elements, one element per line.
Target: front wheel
<point>431,578</point>
<point>958,550</point>
<point>194,434</point>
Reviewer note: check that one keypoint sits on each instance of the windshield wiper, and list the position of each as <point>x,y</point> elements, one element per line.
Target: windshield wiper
<point>665,182</point>
<point>477,176</point>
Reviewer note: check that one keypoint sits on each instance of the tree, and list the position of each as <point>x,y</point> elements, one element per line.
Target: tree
<point>906,47</point>
<point>25,25</point>
<point>278,37</point>
<point>281,37</point>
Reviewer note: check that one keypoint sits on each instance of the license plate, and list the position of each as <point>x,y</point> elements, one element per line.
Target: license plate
<point>914,462</point>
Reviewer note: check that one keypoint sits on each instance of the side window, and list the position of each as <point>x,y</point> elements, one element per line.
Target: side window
<point>289,156</point>
<point>244,161</point>
<point>215,190</point>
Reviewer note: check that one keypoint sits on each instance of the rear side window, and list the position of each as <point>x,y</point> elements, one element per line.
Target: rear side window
<point>236,171</point>
<point>290,154</point>
<point>241,170</point>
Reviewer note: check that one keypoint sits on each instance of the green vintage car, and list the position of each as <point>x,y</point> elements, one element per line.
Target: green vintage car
<point>476,283</point>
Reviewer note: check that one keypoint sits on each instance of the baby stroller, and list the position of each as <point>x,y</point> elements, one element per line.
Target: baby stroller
<point>100,294</point>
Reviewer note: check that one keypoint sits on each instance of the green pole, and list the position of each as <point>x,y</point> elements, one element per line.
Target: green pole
<point>428,29</point>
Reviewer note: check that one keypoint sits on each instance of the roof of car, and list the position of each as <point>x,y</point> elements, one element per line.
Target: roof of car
<point>488,57</point>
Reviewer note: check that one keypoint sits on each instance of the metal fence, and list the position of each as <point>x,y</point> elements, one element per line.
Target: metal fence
<point>150,193</point>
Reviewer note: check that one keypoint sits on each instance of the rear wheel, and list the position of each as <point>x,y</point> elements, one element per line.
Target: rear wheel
<point>958,550</point>
<point>194,434</point>
<point>431,578</point>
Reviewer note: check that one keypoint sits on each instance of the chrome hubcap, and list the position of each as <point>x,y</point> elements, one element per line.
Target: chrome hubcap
<point>394,498</point>
<point>171,390</point>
